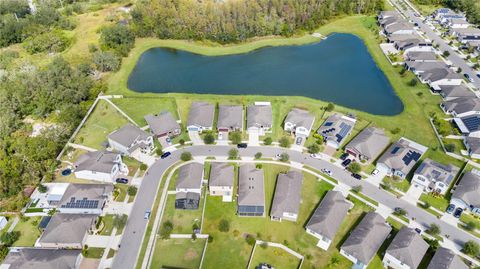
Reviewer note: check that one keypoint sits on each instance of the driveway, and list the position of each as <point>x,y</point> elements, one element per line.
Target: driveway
<point>195,137</point>
<point>253,138</point>
<point>222,138</point>
<point>413,194</point>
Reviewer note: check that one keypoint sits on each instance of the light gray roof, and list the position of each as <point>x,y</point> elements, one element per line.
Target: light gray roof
<point>444,258</point>
<point>259,115</point>
<point>391,19</point>
<point>230,117</point>
<point>425,66</point>
<point>411,42</point>
<point>98,161</point>
<point>437,171</point>
<point>462,105</point>
<point>187,195</point>
<point>473,144</point>
<point>437,74</point>
<point>288,193</point>
<point>190,176</point>
<point>201,114</point>
<point>408,247</point>
<point>329,214</point>
<point>68,228</point>
<point>468,189</point>
<point>128,134</point>
<point>396,156</point>
<point>388,13</point>
<point>455,91</point>
<point>458,21</point>
<point>366,239</point>
<point>96,192</point>
<point>337,127</point>
<point>42,258</point>
<point>370,142</point>
<point>467,31</point>
<point>300,118</point>
<point>421,56</point>
<point>162,123</point>
<point>401,37</point>
<point>250,186</point>
<point>392,28</point>
<point>221,174</point>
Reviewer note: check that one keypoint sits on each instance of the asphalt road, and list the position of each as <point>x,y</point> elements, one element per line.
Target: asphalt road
<point>443,46</point>
<point>126,257</point>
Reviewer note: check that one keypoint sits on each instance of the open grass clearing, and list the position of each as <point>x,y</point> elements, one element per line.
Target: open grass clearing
<point>148,106</point>
<point>183,220</point>
<point>274,256</point>
<point>439,202</point>
<point>29,231</point>
<point>177,253</point>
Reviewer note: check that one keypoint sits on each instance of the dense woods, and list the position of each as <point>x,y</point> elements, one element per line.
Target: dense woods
<point>470,7</point>
<point>238,20</point>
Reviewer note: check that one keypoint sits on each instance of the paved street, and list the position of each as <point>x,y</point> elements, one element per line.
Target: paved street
<point>136,225</point>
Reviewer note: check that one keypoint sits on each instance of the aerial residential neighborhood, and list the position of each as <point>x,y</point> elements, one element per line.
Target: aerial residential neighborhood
<point>239,134</point>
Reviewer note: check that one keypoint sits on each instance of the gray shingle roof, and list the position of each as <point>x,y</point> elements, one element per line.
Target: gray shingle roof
<point>336,127</point>
<point>67,228</point>
<point>437,74</point>
<point>329,214</point>
<point>437,171</point>
<point>367,238</point>
<point>98,161</point>
<point>394,156</point>
<point>455,91</point>
<point>98,192</point>
<point>300,118</point>
<point>201,114</point>
<point>468,189</point>
<point>400,37</point>
<point>42,258</point>
<point>128,134</point>
<point>230,117</point>
<point>408,247</point>
<point>392,28</point>
<point>162,123</point>
<point>370,142</point>
<point>462,105</point>
<point>445,259</point>
<point>473,144</point>
<point>388,13</point>
<point>421,56</point>
<point>411,42</point>
<point>288,193</point>
<point>190,176</point>
<point>221,174</point>
<point>259,115</point>
<point>425,66</point>
<point>250,186</point>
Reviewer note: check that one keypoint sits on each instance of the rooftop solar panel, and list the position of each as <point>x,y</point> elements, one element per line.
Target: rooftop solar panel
<point>472,123</point>
<point>328,123</point>
<point>395,150</point>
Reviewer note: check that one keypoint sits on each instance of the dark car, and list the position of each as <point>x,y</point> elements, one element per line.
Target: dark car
<point>66,172</point>
<point>242,145</point>
<point>344,156</point>
<point>346,162</point>
<point>478,75</point>
<point>298,141</point>
<point>450,208</point>
<point>357,176</point>
<point>418,230</point>
<point>165,155</point>
<point>122,180</point>
<point>458,212</point>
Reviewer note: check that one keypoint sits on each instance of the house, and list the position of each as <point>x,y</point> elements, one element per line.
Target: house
<point>188,186</point>
<point>163,125</point>
<point>230,118</point>
<point>401,37</point>
<point>469,125</point>
<point>42,258</point>
<point>390,20</point>
<point>3,222</point>
<point>85,198</point>
<point>251,193</point>
<point>259,118</point>
<point>440,76</point>
<point>400,158</point>
<point>414,44</point>
<point>451,92</point>
<point>221,180</point>
<point>327,218</point>
<point>387,14</point>
<point>365,240</point>
<point>130,139</point>
<point>464,35</point>
<point>299,122</point>
<point>51,198</point>
<point>288,193</point>
<point>461,107</point>
<point>421,56</point>
<point>454,23</point>
<point>200,117</point>
<point>368,144</point>
<point>434,177</point>
<point>399,28</point>
<point>67,231</point>
<point>472,144</point>
<point>102,165</point>
<point>418,67</point>
<point>335,129</point>
<point>467,192</point>
<point>444,258</point>
<point>406,251</point>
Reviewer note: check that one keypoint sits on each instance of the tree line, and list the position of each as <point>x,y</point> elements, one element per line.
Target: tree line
<point>238,20</point>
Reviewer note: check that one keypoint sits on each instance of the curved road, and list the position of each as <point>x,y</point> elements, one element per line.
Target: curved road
<point>126,257</point>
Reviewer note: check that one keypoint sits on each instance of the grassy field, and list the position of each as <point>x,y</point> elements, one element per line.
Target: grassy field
<point>94,253</point>
<point>120,192</point>
<point>274,256</point>
<point>183,220</point>
<point>439,202</point>
<point>177,253</point>
<point>29,232</point>
<point>149,106</point>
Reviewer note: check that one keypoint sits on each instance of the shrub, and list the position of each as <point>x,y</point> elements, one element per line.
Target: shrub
<point>258,166</point>
<point>264,245</point>
<point>9,238</point>
<point>355,167</point>
<point>209,138</point>
<point>143,167</point>
<point>132,190</point>
<point>224,225</point>
<point>158,151</point>
<point>186,156</point>
<point>313,148</point>
<point>233,153</point>
<point>92,48</point>
<point>284,157</point>
<point>106,61</point>
<point>258,155</point>
<point>434,229</point>
<point>210,239</point>
<point>446,53</point>
<point>42,188</point>
<point>54,41</point>
<point>236,233</point>
<point>470,226</point>
<point>166,229</point>
<point>284,142</point>
<point>194,236</point>
<point>395,131</point>
<point>267,141</point>
<point>450,147</point>
<point>357,188</point>
<point>250,240</point>
<point>330,107</point>
<point>471,248</point>
<point>181,142</point>
<point>117,37</point>
<point>236,137</point>
<point>413,82</point>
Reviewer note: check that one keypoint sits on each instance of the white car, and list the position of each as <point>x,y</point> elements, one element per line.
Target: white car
<point>220,136</point>
<point>375,172</point>
<point>326,171</point>
<point>315,156</point>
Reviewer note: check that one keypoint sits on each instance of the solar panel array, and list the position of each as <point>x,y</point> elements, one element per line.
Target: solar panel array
<point>410,156</point>
<point>328,123</point>
<point>395,150</point>
<point>472,123</point>
<point>83,203</point>
<point>344,129</point>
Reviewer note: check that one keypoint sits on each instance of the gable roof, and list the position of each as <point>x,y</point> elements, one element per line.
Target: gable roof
<point>437,171</point>
<point>366,239</point>
<point>468,189</point>
<point>455,91</point>
<point>336,127</point>
<point>468,124</point>
<point>128,134</point>
<point>329,214</point>
<point>221,174</point>
<point>259,115</point>
<point>230,116</point>
<point>162,123</point>
<point>411,42</point>
<point>444,258</point>
<point>399,26</point>
<point>462,105</point>
<point>402,155</point>
<point>421,56</point>
<point>250,186</point>
<point>288,193</point>
<point>300,118</point>
<point>437,74</point>
<point>473,144</point>
<point>408,247</point>
<point>190,176</point>
<point>370,142</point>
<point>201,114</point>
<point>67,228</point>
<point>98,161</point>
<point>425,66</point>
<point>76,193</point>
<point>42,258</point>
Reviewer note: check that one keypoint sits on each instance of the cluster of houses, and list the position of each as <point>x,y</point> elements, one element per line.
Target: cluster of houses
<point>77,210</point>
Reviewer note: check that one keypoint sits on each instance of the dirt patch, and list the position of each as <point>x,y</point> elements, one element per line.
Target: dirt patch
<point>190,254</point>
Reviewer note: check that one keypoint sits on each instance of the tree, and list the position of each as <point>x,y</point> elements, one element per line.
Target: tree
<point>194,236</point>
<point>119,221</point>
<point>209,138</point>
<point>284,142</point>
<point>236,137</point>
<point>330,107</point>
<point>250,240</point>
<point>42,188</point>
<point>400,212</point>
<point>267,141</point>
<point>471,248</point>
<point>224,225</point>
<point>284,157</point>
<point>413,82</point>
<point>186,156</point>
<point>132,190</point>
<point>264,245</point>
<point>434,229</point>
<point>355,167</point>
<point>450,147</point>
<point>117,37</point>
<point>258,155</point>
<point>166,229</point>
<point>143,167</point>
<point>446,53</point>
<point>471,226</point>
<point>158,151</point>
<point>9,238</point>
<point>106,61</point>
<point>313,148</point>
<point>181,142</point>
<point>233,154</point>
<point>433,243</point>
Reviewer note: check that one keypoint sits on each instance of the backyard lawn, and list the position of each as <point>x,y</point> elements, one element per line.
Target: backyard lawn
<point>29,232</point>
<point>183,220</point>
<point>274,256</point>
<point>149,106</point>
<point>177,253</point>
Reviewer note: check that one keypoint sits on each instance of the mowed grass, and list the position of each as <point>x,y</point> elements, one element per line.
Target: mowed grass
<point>29,232</point>
<point>177,253</point>
<point>274,256</point>
<point>183,220</point>
<point>103,120</point>
<point>148,106</point>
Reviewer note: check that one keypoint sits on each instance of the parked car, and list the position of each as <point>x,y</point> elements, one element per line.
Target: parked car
<point>220,136</point>
<point>66,172</point>
<point>147,214</point>
<point>450,208</point>
<point>315,156</point>
<point>298,140</point>
<point>468,77</point>
<point>375,172</point>
<point>418,230</point>
<point>326,171</point>
<point>478,75</point>
<point>357,176</point>
<point>346,162</point>
<point>122,180</point>
<point>165,155</point>
<point>168,140</point>
<point>344,156</point>
<point>242,145</point>
<point>458,212</point>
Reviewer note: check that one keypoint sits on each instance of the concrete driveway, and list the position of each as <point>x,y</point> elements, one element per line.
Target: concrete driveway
<point>253,138</point>
<point>195,137</point>
<point>413,194</point>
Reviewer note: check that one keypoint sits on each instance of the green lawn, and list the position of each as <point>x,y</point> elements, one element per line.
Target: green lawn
<point>439,202</point>
<point>29,232</point>
<point>467,217</point>
<point>94,253</point>
<point>274,256</point>
<point>458,143</point>
<point>107,221</point>
<point>401,185</point>
<point>149,106</point>
<point>120,192</point>
<point>183,220</point>
<point>177,253</point>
